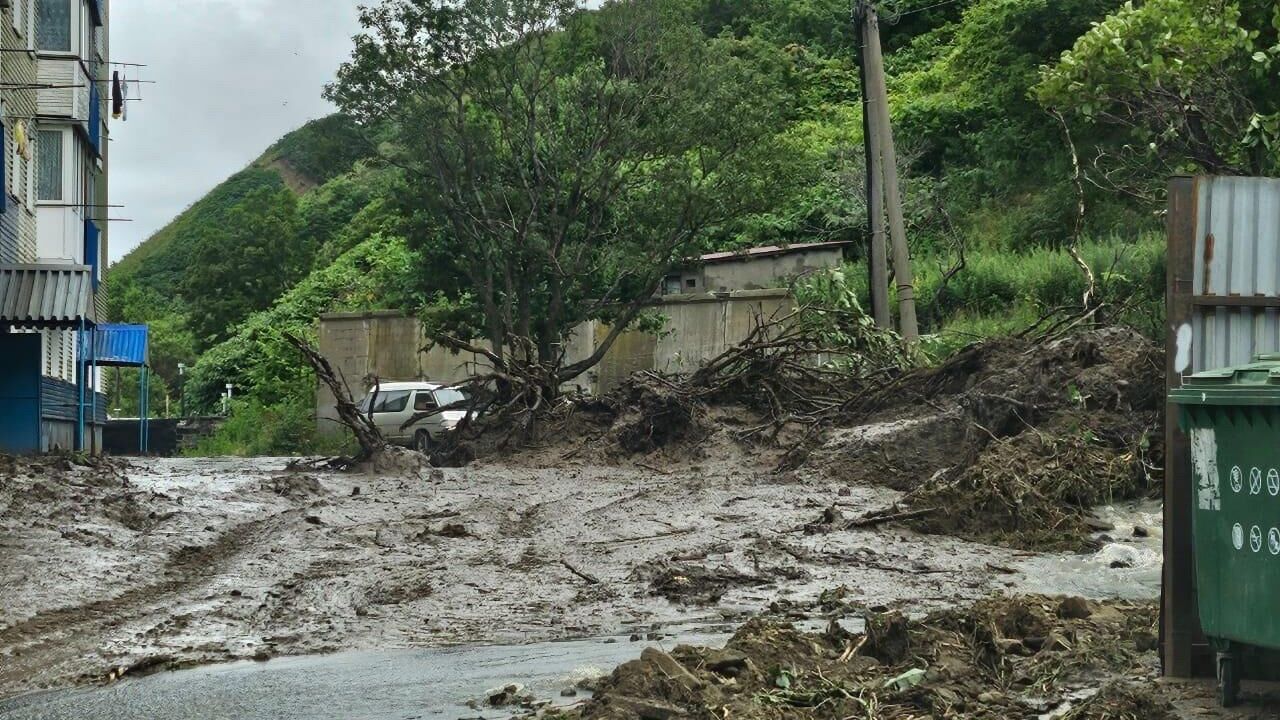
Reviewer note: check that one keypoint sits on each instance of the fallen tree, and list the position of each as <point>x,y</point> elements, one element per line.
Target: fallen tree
<point>372,444</point>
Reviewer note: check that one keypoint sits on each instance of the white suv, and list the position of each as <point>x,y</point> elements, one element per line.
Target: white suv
<point>397,402</point>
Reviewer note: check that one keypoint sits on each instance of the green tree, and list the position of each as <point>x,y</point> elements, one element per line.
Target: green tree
<point>1183,85</point>
<point>244,265</point>
<point>567,159</point>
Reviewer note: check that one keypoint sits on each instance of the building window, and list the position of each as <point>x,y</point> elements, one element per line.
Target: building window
<point>49,158</point>
<point>54,25</point>
<point>19,22</point>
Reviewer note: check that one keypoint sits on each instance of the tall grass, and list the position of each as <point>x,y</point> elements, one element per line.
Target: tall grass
<point>999,292</point>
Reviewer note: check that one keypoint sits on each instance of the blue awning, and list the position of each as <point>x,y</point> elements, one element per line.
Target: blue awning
<point>120,346</point>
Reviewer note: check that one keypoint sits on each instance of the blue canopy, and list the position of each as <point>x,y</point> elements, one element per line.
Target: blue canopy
<point>120,346</point>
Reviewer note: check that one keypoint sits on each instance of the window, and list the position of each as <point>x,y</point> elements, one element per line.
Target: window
<point>19,22</point>
<point>691,282</point>
<point>49,158</point>
<point>423,402</point>
<point>449,396</point>
<point>392,402</point>
<point>54,25</point>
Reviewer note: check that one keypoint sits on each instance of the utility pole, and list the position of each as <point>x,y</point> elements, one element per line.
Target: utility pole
<point>877,258</point>
<point>873,61</point>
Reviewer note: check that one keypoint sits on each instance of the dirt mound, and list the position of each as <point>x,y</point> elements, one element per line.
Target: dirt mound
<point>1014,442</point>
<point>1003,657</point>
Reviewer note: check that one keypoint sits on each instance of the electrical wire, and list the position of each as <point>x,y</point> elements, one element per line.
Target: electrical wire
<point>927,7</point>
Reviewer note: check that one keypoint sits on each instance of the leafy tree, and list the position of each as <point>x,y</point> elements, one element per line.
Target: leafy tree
<point>1182,84</point>
<point>244,265</point>
<point>567,159</point>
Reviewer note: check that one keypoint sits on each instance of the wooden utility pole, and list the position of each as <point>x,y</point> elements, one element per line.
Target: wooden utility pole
<point>878,256</point>
<point>878,100</point>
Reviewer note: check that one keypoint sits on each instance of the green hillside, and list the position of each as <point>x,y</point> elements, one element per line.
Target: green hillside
<point>985,95</point>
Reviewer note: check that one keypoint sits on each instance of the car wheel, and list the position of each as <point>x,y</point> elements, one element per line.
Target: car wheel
<point>422,442</point>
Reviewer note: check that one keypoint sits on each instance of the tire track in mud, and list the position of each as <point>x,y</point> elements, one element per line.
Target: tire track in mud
<point>40,645</point>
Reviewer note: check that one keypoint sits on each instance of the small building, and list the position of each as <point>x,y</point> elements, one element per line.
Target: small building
<point>758,268</point>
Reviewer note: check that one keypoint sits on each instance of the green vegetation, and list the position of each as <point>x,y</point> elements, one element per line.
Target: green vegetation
<point>355,211</point>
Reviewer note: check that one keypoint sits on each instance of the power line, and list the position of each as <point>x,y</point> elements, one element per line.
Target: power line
<point>927,7</point>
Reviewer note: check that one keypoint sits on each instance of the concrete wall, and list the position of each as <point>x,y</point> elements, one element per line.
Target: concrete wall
<point>756,273</point>
<point>698,327</point>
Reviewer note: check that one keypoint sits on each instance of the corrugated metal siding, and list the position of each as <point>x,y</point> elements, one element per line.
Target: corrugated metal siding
<point>58,401</point>
<point>124,345</point>
<point>19,72</point>
<point>1237,255</point>
<point>61,100</point>
<point>10,232</point>
<point>45,294</point>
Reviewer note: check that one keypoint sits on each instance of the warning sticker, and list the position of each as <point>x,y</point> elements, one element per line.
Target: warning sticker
<point>1255,481</point>
<point>1255,538</point>
<point>1273,541</point>
<point>1273,482</point>
<point>1204,465</point>
<point>1237,536</point>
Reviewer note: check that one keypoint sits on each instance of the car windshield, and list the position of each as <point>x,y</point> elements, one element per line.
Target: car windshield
<point>449,396</point>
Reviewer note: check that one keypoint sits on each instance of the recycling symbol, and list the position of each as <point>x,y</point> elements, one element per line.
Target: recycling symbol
<point>1273,541</point>
<point>1236,483</point>
<point>1237,536</point>
<point>1273,482</point>
<point>1255,481</point>
<point>1255,538</point>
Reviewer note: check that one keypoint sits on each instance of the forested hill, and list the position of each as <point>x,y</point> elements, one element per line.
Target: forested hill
<point>987,109</point>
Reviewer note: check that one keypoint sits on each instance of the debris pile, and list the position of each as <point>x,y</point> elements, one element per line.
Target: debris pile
<point>1014,442</point>
<point>1002,657</point>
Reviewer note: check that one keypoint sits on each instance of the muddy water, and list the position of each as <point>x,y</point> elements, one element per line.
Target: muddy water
<point>393,685</point>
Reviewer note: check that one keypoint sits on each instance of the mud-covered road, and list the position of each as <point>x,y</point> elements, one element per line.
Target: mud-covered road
<point>173,563</point>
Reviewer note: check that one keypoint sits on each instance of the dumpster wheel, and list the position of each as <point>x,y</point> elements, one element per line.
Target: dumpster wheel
<point>1228,680</point>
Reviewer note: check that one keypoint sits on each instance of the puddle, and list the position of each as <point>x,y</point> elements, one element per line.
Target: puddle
<point>384,685</point>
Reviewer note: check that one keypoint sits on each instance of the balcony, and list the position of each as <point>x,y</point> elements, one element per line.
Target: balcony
<point>70,91</point>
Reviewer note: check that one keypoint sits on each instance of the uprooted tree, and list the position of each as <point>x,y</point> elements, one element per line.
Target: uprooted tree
<point>567,160</point>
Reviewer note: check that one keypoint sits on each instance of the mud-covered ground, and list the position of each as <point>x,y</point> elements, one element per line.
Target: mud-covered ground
<point>166,563</point>
<point>655,521</point>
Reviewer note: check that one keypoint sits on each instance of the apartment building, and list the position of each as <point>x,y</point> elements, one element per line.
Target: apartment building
<point>54,107</point>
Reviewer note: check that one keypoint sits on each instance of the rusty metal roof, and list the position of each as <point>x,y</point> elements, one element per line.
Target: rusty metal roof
<point>771,250</point>
<point>46,296</point>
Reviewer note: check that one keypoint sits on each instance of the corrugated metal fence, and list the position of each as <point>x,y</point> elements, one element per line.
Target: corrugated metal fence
<point>1223,303</point>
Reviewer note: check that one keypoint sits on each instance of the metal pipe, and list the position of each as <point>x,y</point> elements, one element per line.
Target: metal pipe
<point>80,380</point>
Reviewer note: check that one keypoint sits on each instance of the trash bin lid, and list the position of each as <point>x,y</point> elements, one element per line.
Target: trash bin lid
<point>1257,383</point>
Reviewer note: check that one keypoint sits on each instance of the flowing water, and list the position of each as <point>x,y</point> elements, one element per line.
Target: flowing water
<point>387,685</point>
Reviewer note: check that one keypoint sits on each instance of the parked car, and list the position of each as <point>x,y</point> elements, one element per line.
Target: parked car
<point>396,403</point>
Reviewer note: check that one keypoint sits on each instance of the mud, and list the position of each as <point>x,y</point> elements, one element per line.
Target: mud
<point>176,563</point>
<point>1012,442</point>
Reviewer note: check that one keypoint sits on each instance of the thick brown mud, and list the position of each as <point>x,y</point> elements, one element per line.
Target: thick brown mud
<point>173,563</point>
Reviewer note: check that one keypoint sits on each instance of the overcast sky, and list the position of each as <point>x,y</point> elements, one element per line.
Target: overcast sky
<point>232,76</point>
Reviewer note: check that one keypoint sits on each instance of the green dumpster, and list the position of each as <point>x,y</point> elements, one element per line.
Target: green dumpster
<point>1232,419</point>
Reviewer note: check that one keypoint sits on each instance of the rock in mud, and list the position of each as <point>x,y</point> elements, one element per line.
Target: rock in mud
<point>1074,608</point>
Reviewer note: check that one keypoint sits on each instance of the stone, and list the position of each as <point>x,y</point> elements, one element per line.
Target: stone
<point>671,667</point>
<point>730,663</point>
<point>568,692</point>
<point>1074,608</point>
<point>1141,532</point>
